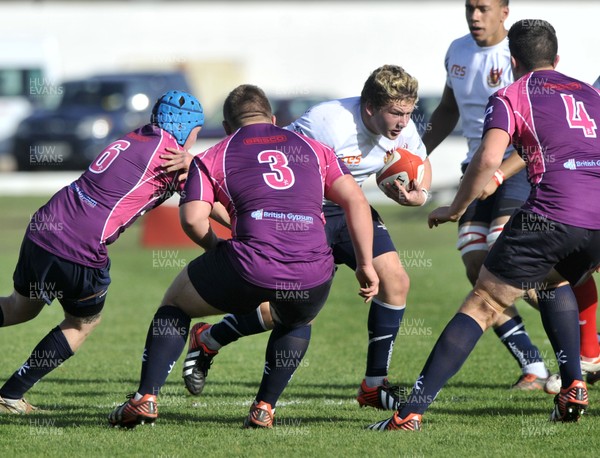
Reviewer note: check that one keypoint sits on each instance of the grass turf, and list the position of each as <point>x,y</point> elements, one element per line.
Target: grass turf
<point>474,415</point>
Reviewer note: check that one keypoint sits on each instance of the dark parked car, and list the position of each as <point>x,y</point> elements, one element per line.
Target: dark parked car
<point>89,115</point>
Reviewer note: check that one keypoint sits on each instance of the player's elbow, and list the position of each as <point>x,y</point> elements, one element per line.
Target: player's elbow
<point>187,226</point>
<point>186,219</point>
<point>354,201</point>
<point>489,161</point>
<point>197,231</point>
<point>191,224</point>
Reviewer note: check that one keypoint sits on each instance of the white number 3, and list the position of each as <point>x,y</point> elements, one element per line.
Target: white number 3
<point>281,177</point>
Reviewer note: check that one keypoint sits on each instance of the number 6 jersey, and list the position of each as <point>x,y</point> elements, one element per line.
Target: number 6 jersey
<point>122,183</point>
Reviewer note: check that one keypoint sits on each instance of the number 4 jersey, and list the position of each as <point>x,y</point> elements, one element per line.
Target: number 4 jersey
<point>552,120</point>
<point>122,183</point>
<point>272,182</point>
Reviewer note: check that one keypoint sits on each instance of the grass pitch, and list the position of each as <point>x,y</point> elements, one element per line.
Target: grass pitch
<point>474,415</point>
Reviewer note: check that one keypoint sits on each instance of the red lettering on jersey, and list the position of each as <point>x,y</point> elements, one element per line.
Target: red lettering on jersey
<point>265,140</point>
<point>137,137</point>
<point>573,86</point>
<point>458,71</point>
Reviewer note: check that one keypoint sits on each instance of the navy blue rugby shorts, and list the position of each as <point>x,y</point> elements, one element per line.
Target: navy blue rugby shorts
<point>39,274</point>
<point>531,245</point>
<point>215,279</point>
<point>507,198</point>
<point>339,240</point>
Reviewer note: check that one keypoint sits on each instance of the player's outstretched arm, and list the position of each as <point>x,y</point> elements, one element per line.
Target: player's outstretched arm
<point>195,223</point>
<point>347,194</point>
<point>509,167</point>
<point>481,169</point>
<point>443,120</point>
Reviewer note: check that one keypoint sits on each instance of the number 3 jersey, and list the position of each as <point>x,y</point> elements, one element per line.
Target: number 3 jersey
<point>553,122</point>
<point>272,182</point>
<point>122,183</point>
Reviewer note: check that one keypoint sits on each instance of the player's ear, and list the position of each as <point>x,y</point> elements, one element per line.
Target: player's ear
<point>274,120</point>
<point>514,63</point>
<point>369,108</point>
<point>556,60</point>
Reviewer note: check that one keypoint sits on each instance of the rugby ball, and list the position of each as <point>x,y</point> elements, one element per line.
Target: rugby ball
<point>402,165</point>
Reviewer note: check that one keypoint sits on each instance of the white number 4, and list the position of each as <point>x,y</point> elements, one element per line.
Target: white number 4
<point>577,116</point>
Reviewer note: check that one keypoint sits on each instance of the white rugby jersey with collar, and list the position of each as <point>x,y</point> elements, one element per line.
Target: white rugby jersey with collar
<point>474,73</point>
<point>338,124</point>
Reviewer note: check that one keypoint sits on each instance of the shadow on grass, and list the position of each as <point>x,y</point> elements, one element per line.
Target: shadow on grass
<point>494,410</point>
<point>492,386</point>
<point>95,387</point>
<point>36,423</point>
<point>80,407</point>
<point>215,388</point>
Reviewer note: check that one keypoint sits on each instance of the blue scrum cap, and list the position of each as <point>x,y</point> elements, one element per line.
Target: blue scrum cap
<point>178,113</point>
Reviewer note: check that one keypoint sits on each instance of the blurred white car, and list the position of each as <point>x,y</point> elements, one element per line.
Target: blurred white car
<point>29,72</point>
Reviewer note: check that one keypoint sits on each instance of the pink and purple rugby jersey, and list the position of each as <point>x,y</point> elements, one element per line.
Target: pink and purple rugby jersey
<point>123,182</point>
<point>271,181</point>
<point>553,121</point>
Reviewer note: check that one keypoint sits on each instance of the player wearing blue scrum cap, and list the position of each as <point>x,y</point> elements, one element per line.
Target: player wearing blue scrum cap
<point>64,252</point>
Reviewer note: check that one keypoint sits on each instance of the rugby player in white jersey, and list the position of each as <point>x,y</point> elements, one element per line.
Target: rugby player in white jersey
<point>477,65</point>
<point>360,130</point>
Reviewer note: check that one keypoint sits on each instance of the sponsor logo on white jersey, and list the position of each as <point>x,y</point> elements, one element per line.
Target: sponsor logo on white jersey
<point>458,71</point>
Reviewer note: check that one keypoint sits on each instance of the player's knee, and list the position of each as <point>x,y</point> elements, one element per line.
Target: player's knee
<point>473,262</point>
<point>19,309</point>
<point>482,307</point>
<point>394,284</point>
<point>402,281</point>
<point>169,298</point>
<point>85,324</point>
<point>182,294</point>
<point>490,298</point>
<point>472,272</point>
